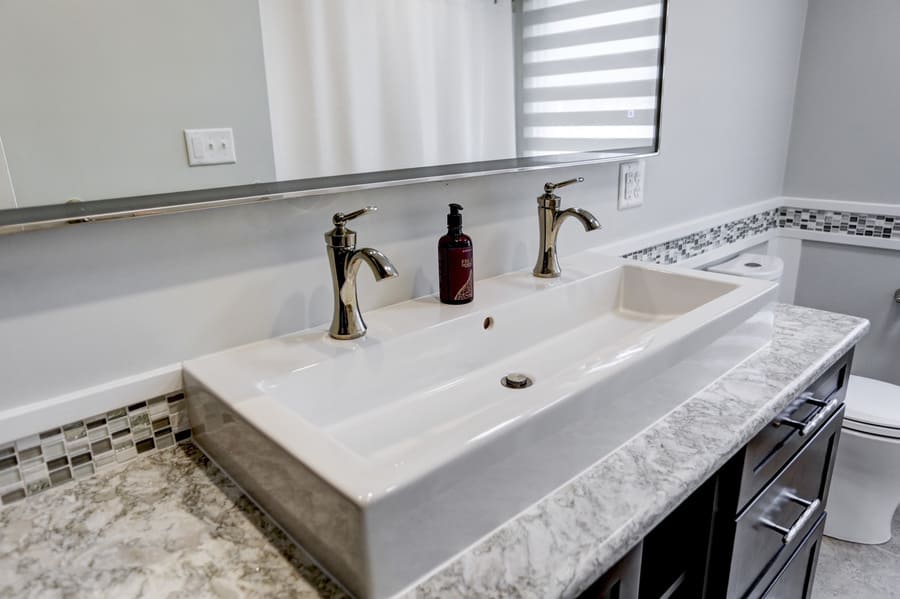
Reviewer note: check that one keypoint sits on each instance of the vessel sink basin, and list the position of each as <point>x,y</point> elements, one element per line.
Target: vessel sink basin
<point>386,455</point>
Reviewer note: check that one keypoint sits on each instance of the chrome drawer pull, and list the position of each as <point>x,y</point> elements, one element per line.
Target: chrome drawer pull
<point>815,419</point>
<point>789,534</point>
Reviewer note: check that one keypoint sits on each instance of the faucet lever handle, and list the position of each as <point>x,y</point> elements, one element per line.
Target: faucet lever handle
<point>551,187</point>
<point>340,218</point>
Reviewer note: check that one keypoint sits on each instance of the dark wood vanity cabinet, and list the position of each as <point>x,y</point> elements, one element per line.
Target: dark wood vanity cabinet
<point>756,542</point>
<point>772,496</point>
<point>622,581</point>
<point>671,560</point>
<point>753,530</point>
<point>676,551</point>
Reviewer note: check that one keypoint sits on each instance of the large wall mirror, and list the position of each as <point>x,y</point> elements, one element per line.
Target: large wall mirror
<point>129,107</point>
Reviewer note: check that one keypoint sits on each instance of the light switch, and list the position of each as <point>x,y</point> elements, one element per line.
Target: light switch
<point>209,146</point>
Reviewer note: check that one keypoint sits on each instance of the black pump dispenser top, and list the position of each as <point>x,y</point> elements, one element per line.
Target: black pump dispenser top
<point>454,219</point>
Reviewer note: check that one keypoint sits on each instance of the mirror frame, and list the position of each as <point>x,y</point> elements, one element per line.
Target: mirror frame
<point>20,220</point>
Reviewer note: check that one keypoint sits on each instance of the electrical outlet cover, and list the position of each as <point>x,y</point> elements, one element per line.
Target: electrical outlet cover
<point>631,184</point>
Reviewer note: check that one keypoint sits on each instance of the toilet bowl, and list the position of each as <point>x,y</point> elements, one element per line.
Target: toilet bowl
<point>865,485</point>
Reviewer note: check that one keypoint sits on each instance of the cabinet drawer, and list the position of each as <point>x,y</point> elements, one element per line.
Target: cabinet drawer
<point>771,528</point>
<point>776,444</point>
<point>796,579</point>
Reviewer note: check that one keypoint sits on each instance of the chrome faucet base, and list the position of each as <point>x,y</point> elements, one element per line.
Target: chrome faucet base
<point>337,334</point>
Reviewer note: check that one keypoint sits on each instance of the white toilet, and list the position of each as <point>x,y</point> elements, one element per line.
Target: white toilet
<point>755,266</point>
<point>865,486</point>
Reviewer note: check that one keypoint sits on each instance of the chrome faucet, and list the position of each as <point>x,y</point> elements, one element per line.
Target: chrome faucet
<point>550,219</point>
<point>345,260</point>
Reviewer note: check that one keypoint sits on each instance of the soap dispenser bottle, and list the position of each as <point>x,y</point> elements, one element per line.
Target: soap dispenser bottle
<point>455,261</point>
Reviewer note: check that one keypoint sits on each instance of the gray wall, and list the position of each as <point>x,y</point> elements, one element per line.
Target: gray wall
<point>96,95</point>
<point>90,303</point>
<point>859,281</point>
<point>844,146</point>
<point>845,142</point>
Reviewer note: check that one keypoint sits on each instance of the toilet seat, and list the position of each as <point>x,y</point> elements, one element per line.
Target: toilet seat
<point>873,407</point>
<point>755,266</point>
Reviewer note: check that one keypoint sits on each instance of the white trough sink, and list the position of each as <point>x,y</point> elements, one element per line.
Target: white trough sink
<point>385,456</point>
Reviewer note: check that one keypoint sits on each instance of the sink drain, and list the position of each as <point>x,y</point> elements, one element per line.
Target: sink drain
<point>516,380</point>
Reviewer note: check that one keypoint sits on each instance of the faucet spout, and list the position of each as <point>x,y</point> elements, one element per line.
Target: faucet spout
<point>381,267</point>
<point>587,220</point>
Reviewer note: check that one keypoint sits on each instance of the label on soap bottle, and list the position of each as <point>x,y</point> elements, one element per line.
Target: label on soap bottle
<point>456,269</point>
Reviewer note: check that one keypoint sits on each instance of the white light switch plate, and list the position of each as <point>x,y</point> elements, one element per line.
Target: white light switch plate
<point>631,184</point>
<point>209,146</point>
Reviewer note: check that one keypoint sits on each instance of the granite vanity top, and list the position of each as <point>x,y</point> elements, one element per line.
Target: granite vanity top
<point>172,525</point>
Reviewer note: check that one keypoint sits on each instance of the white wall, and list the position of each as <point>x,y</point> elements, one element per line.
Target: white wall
<point>844,143</point>
<point>86,304</point>
<point>96,94</point>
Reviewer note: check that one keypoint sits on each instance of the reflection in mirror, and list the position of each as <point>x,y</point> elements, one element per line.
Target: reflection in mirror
<point>373,86</point>
<point>7,193</point>
<point>98,95</point>
<point>590,73</point>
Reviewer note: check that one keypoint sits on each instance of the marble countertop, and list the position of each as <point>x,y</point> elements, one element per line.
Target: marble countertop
<point>172,525</point>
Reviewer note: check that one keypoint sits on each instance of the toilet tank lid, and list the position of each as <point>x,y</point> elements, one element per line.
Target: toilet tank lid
<point>757,266</point>
<point>873,402</point>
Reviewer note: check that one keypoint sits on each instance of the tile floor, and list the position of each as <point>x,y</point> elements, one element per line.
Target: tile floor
<point>851,571</point>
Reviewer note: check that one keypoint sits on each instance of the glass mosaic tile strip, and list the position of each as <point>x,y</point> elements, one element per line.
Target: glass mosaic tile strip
<point>858,224</point>
<point>838,222</point>
<point>80,449</point>
<point>707,239</point>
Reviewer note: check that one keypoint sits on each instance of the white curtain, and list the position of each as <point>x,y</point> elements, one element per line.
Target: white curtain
<point>358,86</point>
<point>7,193</point>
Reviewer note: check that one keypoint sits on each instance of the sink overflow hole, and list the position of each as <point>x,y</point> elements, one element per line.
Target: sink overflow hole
<point>488,323</point>
<point>516,380</point>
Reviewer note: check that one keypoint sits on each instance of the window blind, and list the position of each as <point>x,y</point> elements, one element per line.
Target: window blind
<point>588,75</point>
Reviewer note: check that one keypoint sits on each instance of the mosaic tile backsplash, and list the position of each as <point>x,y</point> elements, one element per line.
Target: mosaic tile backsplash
<point>705,240</point>
<point>839,222</point>
<point>82,448</point>
<point>836,222</point>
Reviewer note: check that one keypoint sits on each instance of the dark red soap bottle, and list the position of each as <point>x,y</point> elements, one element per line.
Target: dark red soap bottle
<point>455,261</point>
